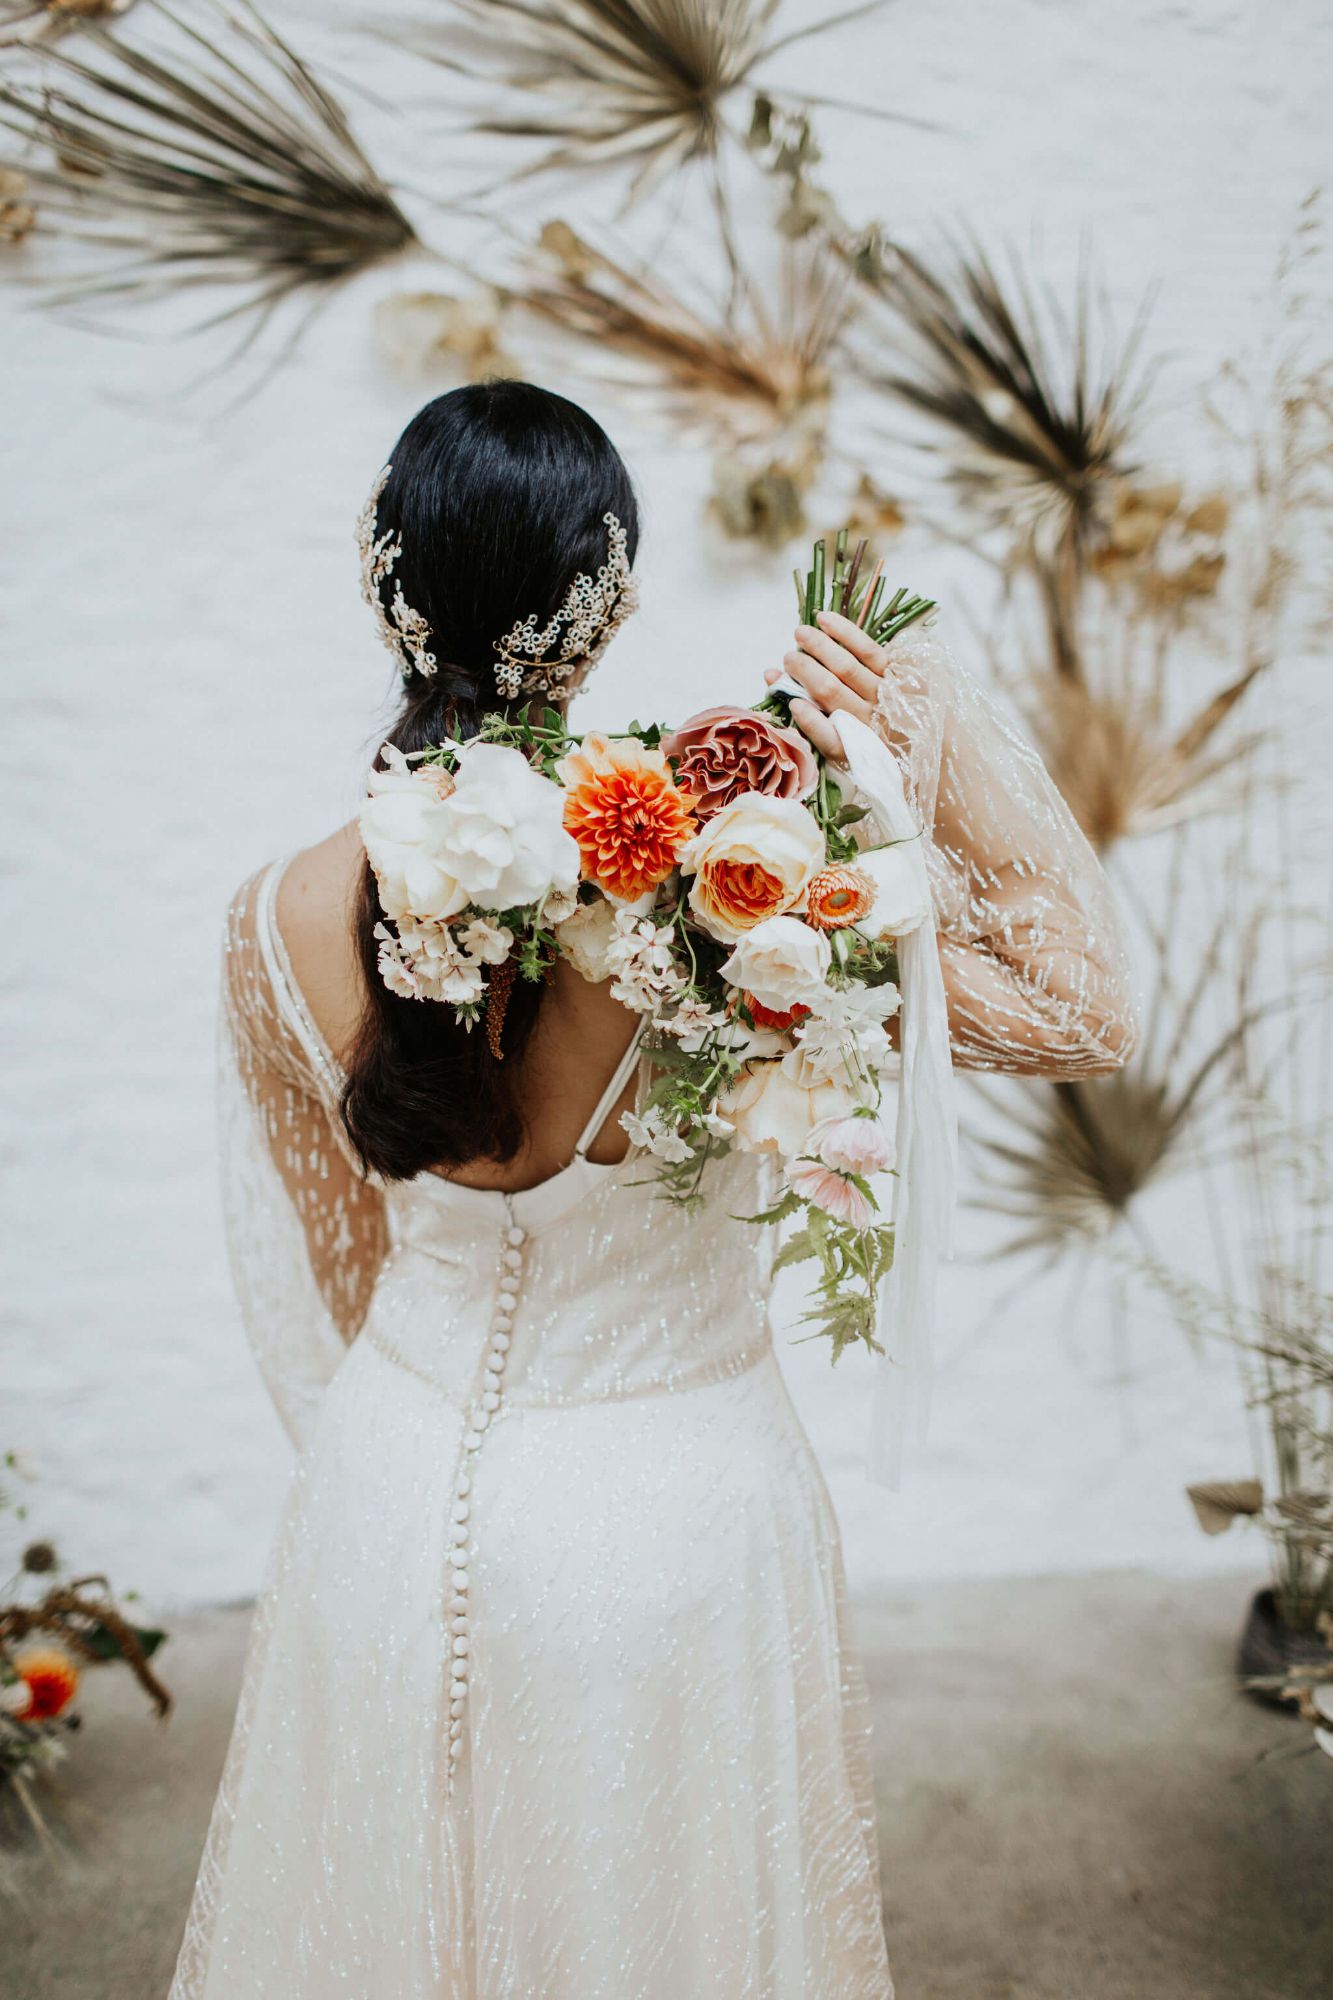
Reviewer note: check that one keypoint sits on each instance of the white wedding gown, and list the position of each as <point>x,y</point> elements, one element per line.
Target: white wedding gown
<point>551,1693</point>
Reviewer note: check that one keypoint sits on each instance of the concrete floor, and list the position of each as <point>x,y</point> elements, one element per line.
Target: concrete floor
<point>1075,1805</point>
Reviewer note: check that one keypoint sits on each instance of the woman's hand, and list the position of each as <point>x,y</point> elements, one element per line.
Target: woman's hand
<point>840,667</point>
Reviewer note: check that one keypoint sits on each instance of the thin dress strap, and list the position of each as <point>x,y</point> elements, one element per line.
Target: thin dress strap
<point>608,1097</point>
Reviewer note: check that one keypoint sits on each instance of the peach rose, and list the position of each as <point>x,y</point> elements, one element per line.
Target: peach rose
<point>771,1114</point>
<point>751,861</point>
<point>722,752</point>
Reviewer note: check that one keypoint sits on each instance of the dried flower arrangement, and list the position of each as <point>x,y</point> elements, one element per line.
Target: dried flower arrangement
<point>223,161</point>
<point>51,1631</point>
<point>1272,1301</point>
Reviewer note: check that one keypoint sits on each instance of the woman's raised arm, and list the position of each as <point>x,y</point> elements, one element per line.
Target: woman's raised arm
<point>1035,970</point>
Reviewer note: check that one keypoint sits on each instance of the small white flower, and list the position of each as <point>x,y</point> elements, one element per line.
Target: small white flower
<point>716,1126</point>
<point>693,1022</point>
<point>425,962</point>
<point>560,904</point>
<point>487,943</point>
<point>656,1136</point>
<point>641,962</point>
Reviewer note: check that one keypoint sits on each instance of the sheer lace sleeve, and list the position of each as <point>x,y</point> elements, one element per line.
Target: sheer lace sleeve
<point>1035,971</point>
<point>305,1230</point>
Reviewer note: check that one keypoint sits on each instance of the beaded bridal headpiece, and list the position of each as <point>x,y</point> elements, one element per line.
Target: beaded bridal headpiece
<point>594,609</point>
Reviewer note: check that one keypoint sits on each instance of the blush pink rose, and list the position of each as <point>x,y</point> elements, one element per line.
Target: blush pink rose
<point>722,752</point>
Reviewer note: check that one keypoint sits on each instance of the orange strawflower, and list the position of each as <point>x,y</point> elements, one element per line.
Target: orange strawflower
<point>838,896</point>
<point>626,812</point>
<point>52,1681</point>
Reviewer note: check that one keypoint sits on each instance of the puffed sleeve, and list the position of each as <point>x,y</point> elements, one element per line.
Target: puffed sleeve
<point>305,1229</point>
<point>1035,969</point>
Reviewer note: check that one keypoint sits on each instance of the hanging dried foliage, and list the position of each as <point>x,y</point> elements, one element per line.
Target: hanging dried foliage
<point>1108,738</point>
<point>1035,420</point>
<point>46,20</point>
<point>224,162</point>
<point>615,79</point>
<point>754,376</point>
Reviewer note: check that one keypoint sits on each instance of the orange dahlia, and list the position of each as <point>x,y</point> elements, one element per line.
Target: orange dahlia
<point>626,812</point>
<point>837,897</point>
<point>52,1681</point>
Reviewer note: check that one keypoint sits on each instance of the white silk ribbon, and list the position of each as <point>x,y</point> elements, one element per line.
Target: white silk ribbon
<point>926,1140</point>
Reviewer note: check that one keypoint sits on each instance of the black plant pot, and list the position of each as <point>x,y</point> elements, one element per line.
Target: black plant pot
<point>1268,1648</point>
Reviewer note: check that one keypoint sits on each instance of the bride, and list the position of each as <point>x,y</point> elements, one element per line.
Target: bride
<point>551,1693</point>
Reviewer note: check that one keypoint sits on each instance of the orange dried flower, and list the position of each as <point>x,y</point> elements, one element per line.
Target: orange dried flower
<point>52,1681</point>
<point>838,896</point>
<point>626,812</point>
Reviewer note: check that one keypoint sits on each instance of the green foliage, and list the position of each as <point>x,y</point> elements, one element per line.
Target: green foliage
<point>843,591</point>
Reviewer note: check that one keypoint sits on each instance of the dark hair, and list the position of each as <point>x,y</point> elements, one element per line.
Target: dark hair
<point>496,494</point>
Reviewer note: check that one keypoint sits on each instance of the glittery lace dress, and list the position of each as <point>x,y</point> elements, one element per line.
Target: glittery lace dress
<point>551,1694</point>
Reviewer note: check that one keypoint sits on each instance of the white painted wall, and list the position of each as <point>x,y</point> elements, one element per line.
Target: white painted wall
<point>193,686</point>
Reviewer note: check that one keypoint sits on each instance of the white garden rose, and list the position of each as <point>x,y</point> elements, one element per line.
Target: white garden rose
<point>751,861</point>
<point>404,831</point>
<point>771,1114</point>
<point>493,836</point>
<point>585,937</point>
<point>902,890</point>
<point>782,962</point>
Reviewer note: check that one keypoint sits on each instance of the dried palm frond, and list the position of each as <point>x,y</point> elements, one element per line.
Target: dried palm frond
<point>755,374</point>
<point>1078,1156</point>
<point>32,21</point>
<point>223,162</point>
<point>1035,426</point>
<point>1123,765</point>
<point>622,78</point>
<point>18,218</point>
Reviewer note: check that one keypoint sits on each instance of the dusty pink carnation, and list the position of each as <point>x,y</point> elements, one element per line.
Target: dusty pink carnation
<point>853,1145</point>
<point>834,1193</point>
<point>722,752</point>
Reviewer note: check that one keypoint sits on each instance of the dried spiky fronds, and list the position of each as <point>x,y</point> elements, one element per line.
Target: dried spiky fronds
<point>1123,764</point>
<point>621,79</point>
<point>762,371</point>
<point>1034,421</point>
<point>46,20</point>
<point>1037,423</point>
<point>221,162</point>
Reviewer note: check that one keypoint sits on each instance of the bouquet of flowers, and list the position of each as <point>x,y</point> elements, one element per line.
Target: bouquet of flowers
<point>51,1631</point>
<point>716,874</point>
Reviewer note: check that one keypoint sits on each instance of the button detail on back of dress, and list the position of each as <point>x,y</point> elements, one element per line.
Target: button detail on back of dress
<point>481,1411</point>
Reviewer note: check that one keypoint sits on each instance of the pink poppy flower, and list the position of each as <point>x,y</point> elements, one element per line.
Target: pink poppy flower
<point>834,1193</point>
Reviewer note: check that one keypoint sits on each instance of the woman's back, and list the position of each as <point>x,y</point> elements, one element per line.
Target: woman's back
<point>580,1034</point>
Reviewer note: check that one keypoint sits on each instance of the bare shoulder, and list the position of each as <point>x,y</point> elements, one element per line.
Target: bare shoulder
<point>315,906</point>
